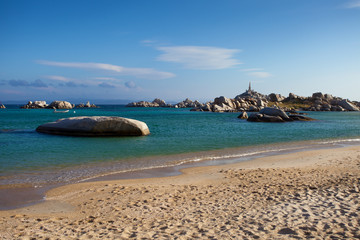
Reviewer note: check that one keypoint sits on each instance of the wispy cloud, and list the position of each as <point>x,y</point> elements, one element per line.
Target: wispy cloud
<point>353,4</point>
<point>198,57</point>
<point>106,85</point>
<point>23,83</point>
<point>259,74</point>
<point>58,78</point>
<point>146,73</point>
<point>251,69</point>
<point>130,84</point>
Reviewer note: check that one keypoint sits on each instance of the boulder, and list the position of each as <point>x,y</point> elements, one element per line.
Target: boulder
<point>348,106</point>
<point>159,102</point>
<point>34,105</point>
<point>2,106</point>
<point>292,96</point>
<point>275,97</point>
<point>317,95</point>
<point>275,112</point>
<point>258,117</point>
<point>97,126</point>
<point>224,100</point>
<point>243,115</point>
<point>60,105</point>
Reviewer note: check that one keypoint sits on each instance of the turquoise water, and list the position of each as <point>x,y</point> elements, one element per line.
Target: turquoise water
<point>177,135</point>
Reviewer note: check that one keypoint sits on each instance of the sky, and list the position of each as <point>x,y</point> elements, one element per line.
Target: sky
<point>102,50</point>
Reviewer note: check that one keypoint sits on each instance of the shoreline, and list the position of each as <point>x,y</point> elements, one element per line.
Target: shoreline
<point>14,196</point>
<point>295,195</point>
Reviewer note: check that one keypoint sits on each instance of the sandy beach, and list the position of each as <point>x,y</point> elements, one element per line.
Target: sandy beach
<point>304,195</point>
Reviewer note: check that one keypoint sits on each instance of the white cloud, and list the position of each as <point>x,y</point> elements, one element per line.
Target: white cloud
<point>353,4</point>
<point>260,74</point>
<point>197,57</point>
<point>57,78</point>
<point>251,69</point>
<point>147,73</point>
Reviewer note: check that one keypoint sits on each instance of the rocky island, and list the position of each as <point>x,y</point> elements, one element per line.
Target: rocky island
<point>252,101</point>
<point>56,105</point>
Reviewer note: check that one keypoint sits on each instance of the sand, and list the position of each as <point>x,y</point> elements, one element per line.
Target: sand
<point>303,195</point>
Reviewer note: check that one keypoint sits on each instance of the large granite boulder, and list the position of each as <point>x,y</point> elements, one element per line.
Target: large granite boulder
<point>60,105</point>
<point>96,126</point>
<point>275,112</point>
<point>348,106</point>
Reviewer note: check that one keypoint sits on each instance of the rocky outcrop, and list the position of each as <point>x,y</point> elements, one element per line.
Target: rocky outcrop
<point>252,101</point>
<point>87,105</point>
<point>156,103</point>
<point>2,106</point>
<point>60,105</point>
<point>258,117</point>
<point>187,103</point>
<point>243,115</point>
<point>35,105</point>
<point>348,105</point>
<point>275,112</point>
<point>273,97</point>
<point>97,126</point>
<point>276,115</point>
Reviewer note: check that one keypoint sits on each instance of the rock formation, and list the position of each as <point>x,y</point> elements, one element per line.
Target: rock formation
<point>34,105</point>
<point>61,105</point>
<point>97,126</point>
<point>2,106</point>
<point>252,101</point>
<point>275,115</point>
<point>156,103</point>
<point>87,105</point>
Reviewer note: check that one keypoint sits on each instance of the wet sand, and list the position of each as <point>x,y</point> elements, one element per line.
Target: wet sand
<point>312,194</point>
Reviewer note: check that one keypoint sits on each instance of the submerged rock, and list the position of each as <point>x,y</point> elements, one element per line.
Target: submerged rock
<point>96,126</point>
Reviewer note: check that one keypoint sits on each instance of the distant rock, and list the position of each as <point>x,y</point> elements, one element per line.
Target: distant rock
<point>156,103</point>
<point>275,112</point>
<point>60,105</point>
<point>276,115</point>
<point>35,105</point>
<point>187,103</point>
<point>2,106</point>
<point>97,126</point>
<point>258,117</point>
<point>243,115</point>
<point>275,97</point>
<point>87,105</point>
<point>348,106</point>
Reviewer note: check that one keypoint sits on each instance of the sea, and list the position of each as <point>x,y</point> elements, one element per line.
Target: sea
<point>179,137</point>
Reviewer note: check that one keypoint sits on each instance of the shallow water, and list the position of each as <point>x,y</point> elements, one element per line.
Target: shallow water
<point>177,136</point>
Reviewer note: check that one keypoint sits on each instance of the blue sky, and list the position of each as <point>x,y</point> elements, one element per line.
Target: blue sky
<point>173,49</point>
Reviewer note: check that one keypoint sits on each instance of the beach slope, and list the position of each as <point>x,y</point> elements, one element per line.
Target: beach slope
<point>312,194</point>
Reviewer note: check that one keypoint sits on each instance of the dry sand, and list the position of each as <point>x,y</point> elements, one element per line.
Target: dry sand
<point>313,194</point>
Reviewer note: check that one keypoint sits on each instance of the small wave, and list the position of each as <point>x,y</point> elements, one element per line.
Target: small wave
<point>237,157</point>
<point>339,141</point>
